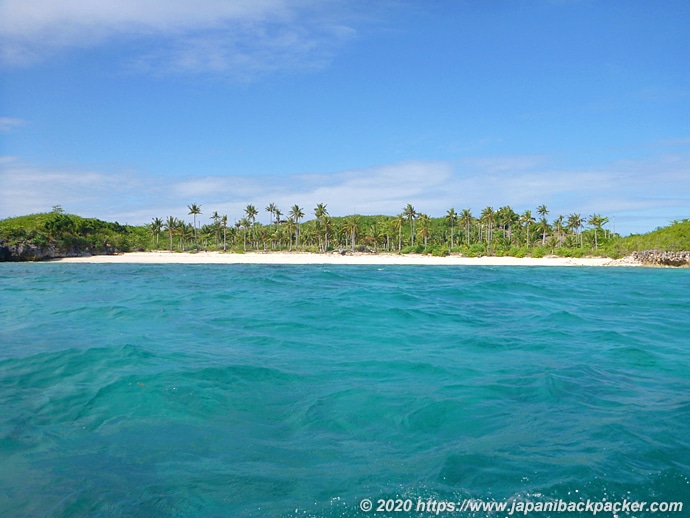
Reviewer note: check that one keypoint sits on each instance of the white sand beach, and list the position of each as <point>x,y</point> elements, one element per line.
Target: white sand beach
<point>336,258</point>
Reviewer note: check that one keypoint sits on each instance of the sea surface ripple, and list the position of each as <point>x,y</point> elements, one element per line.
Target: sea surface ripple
<point>259,390</point>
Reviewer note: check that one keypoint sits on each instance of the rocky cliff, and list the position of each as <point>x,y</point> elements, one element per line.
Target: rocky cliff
<point>661,258</point>
<point>31,252</point>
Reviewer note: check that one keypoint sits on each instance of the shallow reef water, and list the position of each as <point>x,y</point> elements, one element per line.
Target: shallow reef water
<point>260,390</point>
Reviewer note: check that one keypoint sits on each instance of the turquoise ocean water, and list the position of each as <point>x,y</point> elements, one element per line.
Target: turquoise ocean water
<point>255,390</point>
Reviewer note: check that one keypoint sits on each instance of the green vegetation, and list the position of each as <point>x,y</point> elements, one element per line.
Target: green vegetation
<point>501,232</point>
<point>673,238</point>
<point>67,234</point>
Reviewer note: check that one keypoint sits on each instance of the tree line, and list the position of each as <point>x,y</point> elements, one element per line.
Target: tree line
<point>500,232</point>
<point>493,232</point>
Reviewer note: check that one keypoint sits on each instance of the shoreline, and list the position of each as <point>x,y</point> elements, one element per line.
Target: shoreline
<point>164,257</point>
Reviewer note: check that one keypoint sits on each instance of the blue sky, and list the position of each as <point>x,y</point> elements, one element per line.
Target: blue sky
<point>132,109</point>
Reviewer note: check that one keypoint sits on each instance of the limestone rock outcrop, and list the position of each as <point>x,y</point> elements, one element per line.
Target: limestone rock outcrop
<point>661,258</point>
<point>32,252</point>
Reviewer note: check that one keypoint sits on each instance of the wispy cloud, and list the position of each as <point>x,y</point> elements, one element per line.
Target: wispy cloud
<point>641,194</point>
<point>26,189</point>
<point>234,37</point>
<point>377,190</point>
<point>243,52</point>
<point>34,20</point>
<point>136,199</point>
<point>8,124</point>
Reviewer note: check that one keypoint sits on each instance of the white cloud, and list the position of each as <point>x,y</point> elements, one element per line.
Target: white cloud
<point>28,18</point>
<point>233,37</point>
<point>378,190</point>
<point>506,163</point>
<point>8,124</point>
<point>26,189</point>
<point>641,194</point>
<point>136,199</point>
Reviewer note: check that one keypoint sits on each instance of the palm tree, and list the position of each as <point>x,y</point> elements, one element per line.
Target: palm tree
<point>376,235</point>
<point>321,213</point>
<point>290,229</point>
<point>297,214</point>
<point>185,233</point>
<point>216,219</point>
<point>326,229</point>
<point>320,210</point>
<point>451,217</point>
<point>277,237</point>
<point>271,209</point>
<point>488,217</point>
<point>263,235</point>
<point>224,223</point>
<point>543,227</point>
<point>205,233</point>
<point>597,221</point>
<point>397,226</point>
<point>170,226</point>
<point>251,213</point>
<point>553,243</point>
<point>506,217</point>
<point>543,212</point>
<point>527,220</point>
<point>350,226</point>
<point>410,214</point>
<point>387,224</point>
<point>424,228</point>
<point>575,222</point>
<point>500,216</point>
<point>245,224</point>
<point>156,226</point>
<point>195,210</point>
<point>558,227</point>
<point>466,218</point>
